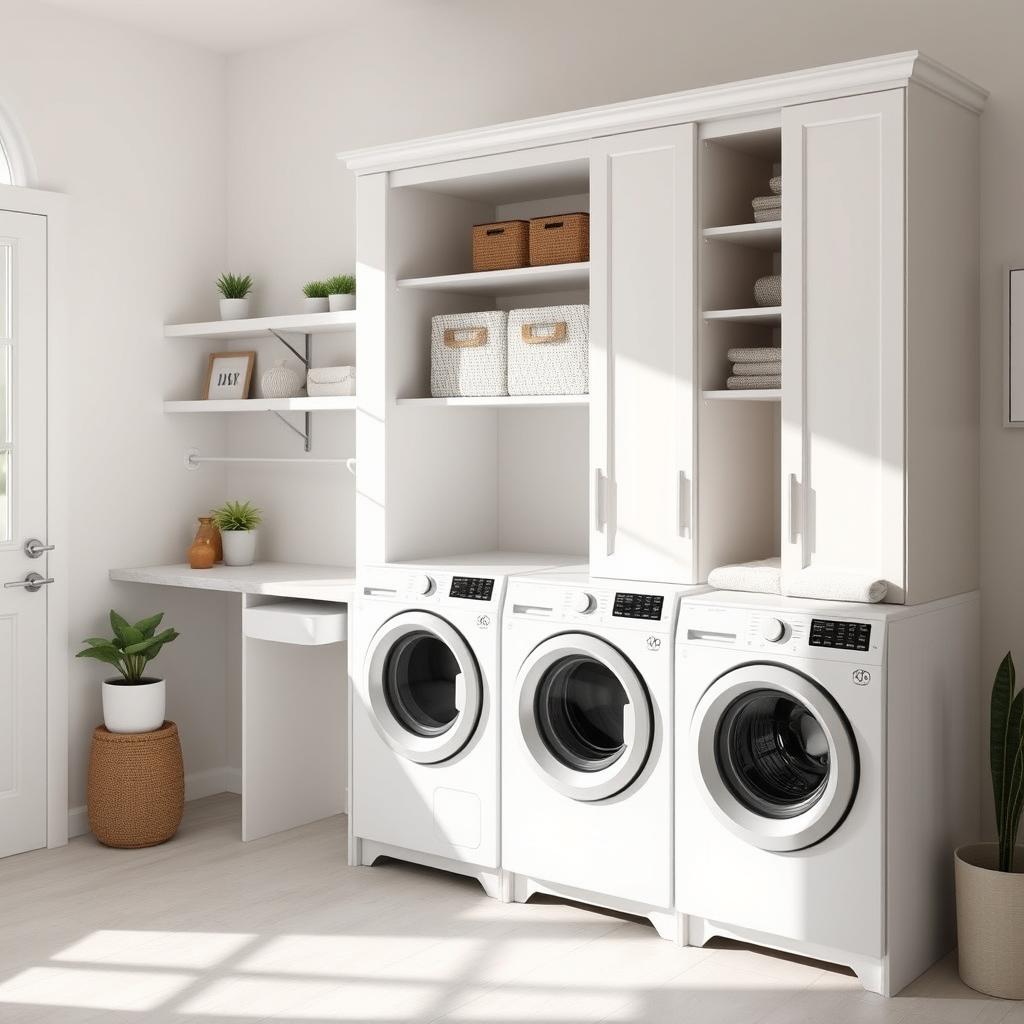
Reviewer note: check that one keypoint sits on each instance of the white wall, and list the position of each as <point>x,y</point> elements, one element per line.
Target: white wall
<point>132,128</point>
<point>459,64</point>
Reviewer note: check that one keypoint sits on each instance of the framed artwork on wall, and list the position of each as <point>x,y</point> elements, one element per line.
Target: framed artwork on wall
<point>229,375</point>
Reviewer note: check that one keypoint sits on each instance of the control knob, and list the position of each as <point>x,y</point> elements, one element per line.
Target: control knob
<point>421,584</point>
<point>583,603</point>
<point>773,630</point>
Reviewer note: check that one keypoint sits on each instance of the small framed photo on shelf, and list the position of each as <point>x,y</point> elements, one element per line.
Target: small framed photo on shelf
<point>229,375</point>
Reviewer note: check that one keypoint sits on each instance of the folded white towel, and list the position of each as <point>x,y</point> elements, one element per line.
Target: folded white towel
<point>829,585</point>
<point>763,216</point>
<point>762,577</point>
<point>772,202</point>
<point>755,369</point>
<point>752,383</point>
<point>775,185</point>
<point>755,355</point>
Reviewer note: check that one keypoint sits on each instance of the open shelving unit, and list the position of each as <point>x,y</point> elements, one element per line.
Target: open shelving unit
<point>535,280</point>
<point>499,402</point>
<point>744,395</point>
<point>755,236</point>
<point>769,315</point>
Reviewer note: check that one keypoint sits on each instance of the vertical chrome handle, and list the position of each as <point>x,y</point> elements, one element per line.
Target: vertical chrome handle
<point>794,508</point>
<point>683,504</point>
<point>599,517</point>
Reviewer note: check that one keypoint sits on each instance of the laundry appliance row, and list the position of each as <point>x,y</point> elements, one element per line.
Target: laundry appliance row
<point>780,771</point>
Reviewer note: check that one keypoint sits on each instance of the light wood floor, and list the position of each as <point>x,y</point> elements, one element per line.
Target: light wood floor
<point>207,929</point>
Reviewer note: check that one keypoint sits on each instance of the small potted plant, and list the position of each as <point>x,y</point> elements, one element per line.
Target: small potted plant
<point>237,522</point>
<point>316,293</point>
<point>235,288</point>
<point>135,702</point>
<point>341,292</point>
<point>990,876</point>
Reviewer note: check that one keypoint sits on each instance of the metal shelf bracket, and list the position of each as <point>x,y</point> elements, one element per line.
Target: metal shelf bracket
<point>306,435</point>
<point>304,359</point>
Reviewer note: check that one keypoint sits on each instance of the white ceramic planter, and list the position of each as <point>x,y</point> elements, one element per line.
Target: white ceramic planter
<point>234,309</point>
<point>341,301</point>
<point>990,921</point>
<point>315,305</point>
<point>239,546</point>
<point>134,708</point>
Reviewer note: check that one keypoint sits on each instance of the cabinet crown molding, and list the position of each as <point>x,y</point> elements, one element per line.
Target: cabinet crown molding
<point>754,95</point>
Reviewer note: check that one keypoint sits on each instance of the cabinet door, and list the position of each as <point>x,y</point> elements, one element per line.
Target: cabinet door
<point>843,336</point>
<point>642,355</point>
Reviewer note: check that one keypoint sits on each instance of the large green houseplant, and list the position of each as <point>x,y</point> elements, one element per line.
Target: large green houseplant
<point>990,876</point>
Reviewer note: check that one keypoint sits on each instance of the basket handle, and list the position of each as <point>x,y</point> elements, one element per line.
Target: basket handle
<point>494,231</point>
<point>466,337</point>
<point>548,225</point>
<point>543,334</point>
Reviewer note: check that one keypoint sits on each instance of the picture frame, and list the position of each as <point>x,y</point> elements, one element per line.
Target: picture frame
<point>229,375</point>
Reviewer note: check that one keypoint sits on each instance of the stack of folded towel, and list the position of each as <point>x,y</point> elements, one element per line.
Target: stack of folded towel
<point>769,207</point>
<point>755,368</point>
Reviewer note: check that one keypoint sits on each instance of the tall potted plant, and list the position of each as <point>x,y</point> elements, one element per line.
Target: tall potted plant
<point>135,702</point>
<point>235,290</point>
<point>237,522</point>
<point>990,876</point>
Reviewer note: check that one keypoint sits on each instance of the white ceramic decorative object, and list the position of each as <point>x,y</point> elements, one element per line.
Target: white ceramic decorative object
<point>280,381</point>
<point>234,309</point>
<point>134,708</point>
<point>315,305</point>
<point>330,381</point>
<point>340,300</point>
<point>239,546</point>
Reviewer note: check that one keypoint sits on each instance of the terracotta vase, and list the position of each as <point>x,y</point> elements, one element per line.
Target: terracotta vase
<point>206,548</point>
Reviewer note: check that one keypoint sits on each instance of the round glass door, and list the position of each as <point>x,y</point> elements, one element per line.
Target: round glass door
<point>585,716</point>
<point>774,757</point>
<point>424,687</point>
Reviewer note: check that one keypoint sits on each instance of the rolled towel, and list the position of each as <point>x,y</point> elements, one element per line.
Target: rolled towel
<point>752,383</point>
<point>768,290</point>
<point>755,355</point>
<point>830,585</point>
<point>755,369</point>
<point>764,577</point>
<point>763,216</point>
<point>775,185</point>
<point>766,202</point>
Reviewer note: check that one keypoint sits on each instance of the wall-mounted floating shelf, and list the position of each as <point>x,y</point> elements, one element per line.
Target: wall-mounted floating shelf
<point>754,236</point>
<point>561,277</point>
<point>193,460</point>
<point>499,402</point>
<point>296,323</point>
<point>755,315</point>
<point>331,404</point>
<point>745,395</point>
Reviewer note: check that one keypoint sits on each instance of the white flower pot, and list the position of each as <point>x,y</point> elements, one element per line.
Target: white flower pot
<point>138,707</point>
<point>340,301</point>
<point>239,546</point>
<point>315,305</point>
<point>234,309</point>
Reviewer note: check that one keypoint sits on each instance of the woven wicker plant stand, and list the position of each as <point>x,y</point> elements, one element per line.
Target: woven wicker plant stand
<point>136,791</point>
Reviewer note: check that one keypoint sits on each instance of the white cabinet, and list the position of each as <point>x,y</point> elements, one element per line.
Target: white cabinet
<point>642,355</point>
<point>843,335</point>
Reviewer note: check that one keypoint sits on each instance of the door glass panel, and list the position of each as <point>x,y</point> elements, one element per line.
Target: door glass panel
<point>579,709</point>
<point>421,679</point>
<point>773,754</point>
<point>9,751</point>
<point>6,439</point>
<point>6,274</point>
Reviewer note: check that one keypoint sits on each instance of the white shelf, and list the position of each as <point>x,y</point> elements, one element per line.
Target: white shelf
<point>558,278</point>
<point>330,404</point>
<point>745,395</point>
<point>756,315</point>
<point>501,401</point>
<point>754,236</point>
<point>297,323</point>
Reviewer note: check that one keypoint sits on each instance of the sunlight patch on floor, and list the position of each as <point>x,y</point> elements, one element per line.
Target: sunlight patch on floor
<point>93,989</point>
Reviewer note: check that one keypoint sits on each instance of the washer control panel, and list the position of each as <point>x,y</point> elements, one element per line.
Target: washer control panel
<point>638,606</point>
<point>433,587</point>
<point>847,636</point>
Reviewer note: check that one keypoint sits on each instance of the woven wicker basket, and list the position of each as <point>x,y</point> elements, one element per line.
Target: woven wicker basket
<point>504,245</point>
<point>136,791</point>
<point>564,238</point>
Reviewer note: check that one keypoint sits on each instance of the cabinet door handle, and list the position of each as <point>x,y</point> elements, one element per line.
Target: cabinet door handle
<point>794,508</point>
<point>599,519</point>
<point>683,503</point>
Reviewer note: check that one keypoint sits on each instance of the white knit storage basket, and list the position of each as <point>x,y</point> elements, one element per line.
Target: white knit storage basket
<point>468,355</point>
<point>548,350</point>
<point>331,381</point>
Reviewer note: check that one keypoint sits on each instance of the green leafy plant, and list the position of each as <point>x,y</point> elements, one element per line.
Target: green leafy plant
<point>341,284</point>
<point>234,286</point>
<point>131,648</point>
<point>237,515</point>
<point>1006,748</point>
<point>315,290</point>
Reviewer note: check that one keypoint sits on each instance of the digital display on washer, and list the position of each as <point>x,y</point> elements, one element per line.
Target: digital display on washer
<point>472,588</point>
<point>848,636</point>
<point>638,606</point>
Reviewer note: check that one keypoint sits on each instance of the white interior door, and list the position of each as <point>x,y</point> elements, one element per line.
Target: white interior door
<point>642,355</point>
<point>23,518</point>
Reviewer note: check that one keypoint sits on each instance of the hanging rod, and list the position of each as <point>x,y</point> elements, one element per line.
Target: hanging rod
<point>193,460</point>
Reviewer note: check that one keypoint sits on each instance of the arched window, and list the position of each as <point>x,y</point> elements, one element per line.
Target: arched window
<point>6,174</point>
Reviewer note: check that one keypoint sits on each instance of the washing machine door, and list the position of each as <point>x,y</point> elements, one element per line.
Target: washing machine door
<point>774,757</point>
<point>424,687</point>
<point>585,716</point>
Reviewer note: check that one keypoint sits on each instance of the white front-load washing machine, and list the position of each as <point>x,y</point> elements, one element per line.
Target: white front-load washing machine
<point>424,719</point>
<point>587,742</point>
<point>827,766</point>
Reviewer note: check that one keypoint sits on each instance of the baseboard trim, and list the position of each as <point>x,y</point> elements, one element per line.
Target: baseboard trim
<point>197,785</point>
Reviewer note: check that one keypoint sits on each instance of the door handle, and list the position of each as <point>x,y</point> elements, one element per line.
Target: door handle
<point>32,582</point>
<point>683,504</point>
<point>599,514</point>
<point>35,548</point>
<point>795,525</point>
